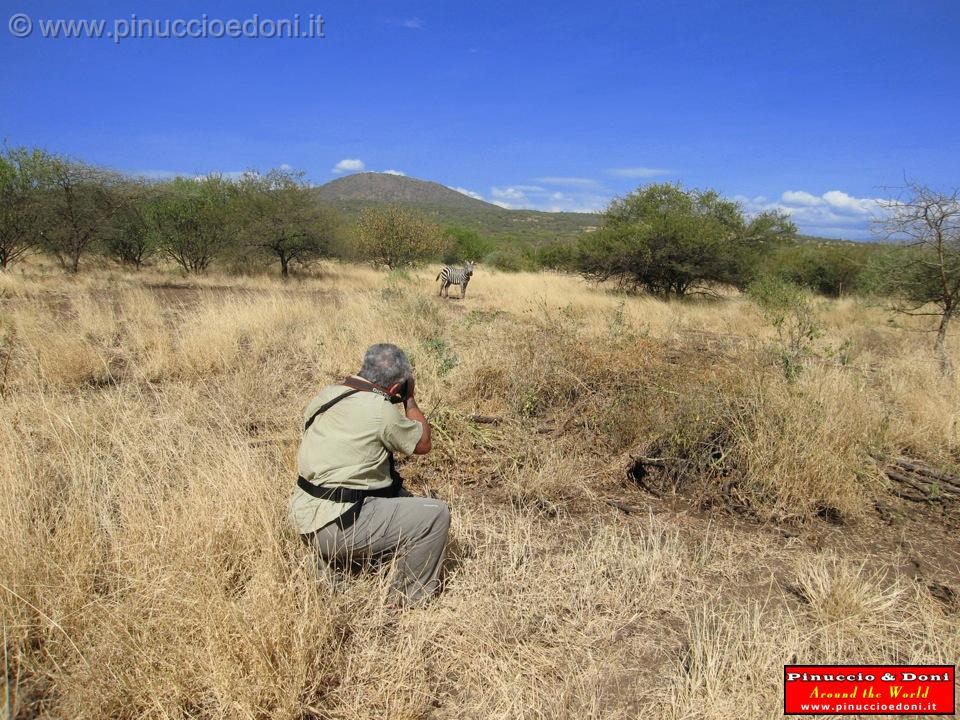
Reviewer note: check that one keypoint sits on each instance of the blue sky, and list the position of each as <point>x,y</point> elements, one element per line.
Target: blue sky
<point>815,107</point>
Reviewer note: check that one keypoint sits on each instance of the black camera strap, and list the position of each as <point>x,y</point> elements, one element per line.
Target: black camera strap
<point>356,386</point>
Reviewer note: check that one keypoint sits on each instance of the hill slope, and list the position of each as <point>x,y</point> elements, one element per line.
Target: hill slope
<point>384,187</point>
<point>448,207</point>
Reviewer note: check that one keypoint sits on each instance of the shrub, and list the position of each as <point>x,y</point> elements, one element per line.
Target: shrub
<point>667,240</point>
<point>558,256</point>
<point>396,237</point>
<point>506,260</point>
<point>826,268</point>
<point>466,244</point>
<point>789,309</point>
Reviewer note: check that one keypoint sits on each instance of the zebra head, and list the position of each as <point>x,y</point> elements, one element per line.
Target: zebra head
<point>468,269</point>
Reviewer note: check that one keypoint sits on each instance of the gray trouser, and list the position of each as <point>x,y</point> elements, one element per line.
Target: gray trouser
<point>411,529</point>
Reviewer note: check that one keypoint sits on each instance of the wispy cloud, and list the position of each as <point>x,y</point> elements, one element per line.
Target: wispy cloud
<point>536,197</point>
<point>348,165</point>
<point>394,172</point>
<point>582,182</point>
<point>468,193</point>
<point>638,172</point>
<point>412,23</point>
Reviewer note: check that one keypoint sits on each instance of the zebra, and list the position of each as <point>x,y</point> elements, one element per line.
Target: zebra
<point>455,276</point>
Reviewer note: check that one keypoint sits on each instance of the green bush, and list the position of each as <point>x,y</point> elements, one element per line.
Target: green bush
<point>667,240</point>
<point>789,309</point>
<point>466,244</point>
<point>830,269</point>
<point>397,237</point>
<point>509,260</point>
<point>557,256</point>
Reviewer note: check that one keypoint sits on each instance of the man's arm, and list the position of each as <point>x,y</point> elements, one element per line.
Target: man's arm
<point>414,413</point>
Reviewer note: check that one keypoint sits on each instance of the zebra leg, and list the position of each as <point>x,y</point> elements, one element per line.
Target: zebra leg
<point>463,291</point>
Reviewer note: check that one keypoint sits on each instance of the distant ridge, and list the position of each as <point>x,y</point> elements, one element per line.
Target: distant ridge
<point>446,206</point>
<point>388,188</point>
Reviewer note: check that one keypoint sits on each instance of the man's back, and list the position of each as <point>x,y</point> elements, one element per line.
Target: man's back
<point>349,445</point>
<point>346,454</point>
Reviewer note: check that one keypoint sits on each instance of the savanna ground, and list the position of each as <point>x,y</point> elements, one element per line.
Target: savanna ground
<point>148,434</point>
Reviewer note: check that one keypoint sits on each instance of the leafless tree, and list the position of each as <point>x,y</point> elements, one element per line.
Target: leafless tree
<point>925,276</point>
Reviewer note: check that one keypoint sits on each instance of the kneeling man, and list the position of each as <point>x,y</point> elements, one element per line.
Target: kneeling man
<point>349,502</point>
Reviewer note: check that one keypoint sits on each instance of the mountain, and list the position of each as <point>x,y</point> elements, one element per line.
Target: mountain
<point>388,188</point>
<point>445,206</point>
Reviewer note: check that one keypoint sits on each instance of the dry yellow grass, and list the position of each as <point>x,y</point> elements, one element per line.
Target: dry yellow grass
<point>147,436</point>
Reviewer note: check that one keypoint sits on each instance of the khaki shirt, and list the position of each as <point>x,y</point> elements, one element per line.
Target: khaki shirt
<point>348,446</point>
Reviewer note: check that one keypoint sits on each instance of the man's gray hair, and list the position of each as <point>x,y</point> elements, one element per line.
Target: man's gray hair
<point>385,364</point>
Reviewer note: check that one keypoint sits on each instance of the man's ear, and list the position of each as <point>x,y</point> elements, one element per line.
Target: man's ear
<point>395,389</point>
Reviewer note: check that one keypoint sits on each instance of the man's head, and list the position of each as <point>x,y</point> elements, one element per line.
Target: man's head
<point>386,365</point>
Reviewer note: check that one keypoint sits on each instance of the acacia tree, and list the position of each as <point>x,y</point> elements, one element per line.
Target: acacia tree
<point>281,218</point>
<point>397,238</point>
<point>21,217</point>
<point>924,276</point>
<point>130,239</point>
<point>76,202</point>
<point>668,240</point>
<point>193,221</point>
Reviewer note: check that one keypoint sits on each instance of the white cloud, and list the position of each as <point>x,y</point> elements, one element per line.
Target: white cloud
<point>468,193</point>
<point>842,201</point>
<point>638,172</point>
<point>832,214</point>
<point>799,197</point>
<point>836,200</point>
<point>349,165</point>
<point>394,172</point>
<point>285,166</point>
<point>412,23</point>
<point>511,193</point>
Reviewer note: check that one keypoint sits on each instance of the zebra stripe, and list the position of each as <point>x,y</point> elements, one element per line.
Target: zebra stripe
<point>455,276</point>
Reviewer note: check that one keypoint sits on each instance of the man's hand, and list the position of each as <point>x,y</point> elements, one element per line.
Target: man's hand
<point>414,413</point>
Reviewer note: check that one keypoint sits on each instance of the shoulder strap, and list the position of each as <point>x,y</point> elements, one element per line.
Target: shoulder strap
<point>367,386</point>
<point>326,406</point>
<point>356,385</point>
